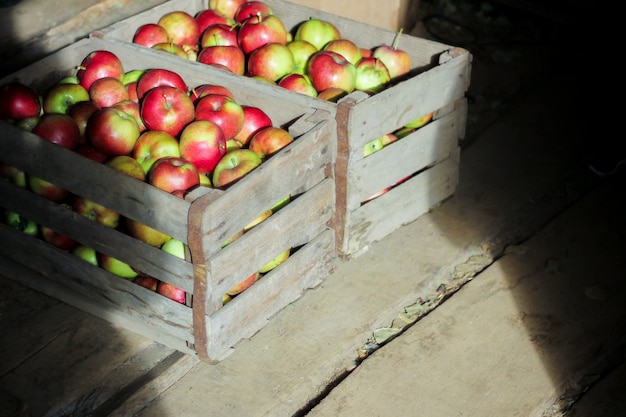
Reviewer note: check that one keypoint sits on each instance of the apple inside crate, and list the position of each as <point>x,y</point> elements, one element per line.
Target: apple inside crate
<point>299,176</point>
<point>437,83</point>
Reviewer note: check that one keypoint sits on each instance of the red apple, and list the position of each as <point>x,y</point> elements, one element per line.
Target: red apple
<point>181,27</point>
<point>300,83</point>
<point>107,91</point>
<point>226,8</point>
<point>133,109</point>
<point>171,291</point>
<point>269,140</point>
<point>208,17</point>
<point>271,61</point>
<point>233,166</point>
<point>128,165</point>
<point>301,50</point>
<point>149,34</point>
<point>202,143</point>
<point>59,240</point>
<point>58,128</point>
<point>241,287</point>
<point>88,151</point>
<point>153,145</point>
<point>346,48</point>
<point>254,119</point>
<point>112,131</point>
<point>223,111</point>
<point>145,233</point>
<point>206,89</point>
<point>168,109</point>
<point>12,174</point>
<point>329,69</point>
<point>81,112</point>
<point>332,94</point>
<point>60,97</point>
<point>230,56</point>
<point>219,34</point>
<point>318,32</point>
<point>171,174</point>
<point>132,91</point>
<point>397,61</point>
<point>147,282</point>
<point>251,9</point>
<point>18,101</point>
<point>46,189</point>
<point>95,211</point>
<point>261,30</point>
<point>99,64</point>
<point>156,77</point>
<point>372,75</point>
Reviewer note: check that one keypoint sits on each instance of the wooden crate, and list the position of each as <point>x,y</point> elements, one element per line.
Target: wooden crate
<point>437,83</point>
<point>203,220</point>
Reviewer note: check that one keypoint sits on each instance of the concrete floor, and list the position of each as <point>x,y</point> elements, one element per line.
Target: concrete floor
<point>524,267</point>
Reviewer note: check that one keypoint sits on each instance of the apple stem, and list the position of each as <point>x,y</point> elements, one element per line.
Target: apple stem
<point>396,41</point>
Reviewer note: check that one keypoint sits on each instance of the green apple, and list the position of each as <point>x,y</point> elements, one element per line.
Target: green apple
<point>233,166</point>
<point>115,266</point>
<point>175,247</point>
<point>373,146</point>
<point>420,121</point>
<point>301,50</point>
<point>132,76</point>
<point>61,96</point>
<point>282,203</point>
<point>19,222</point>
<point>86,253</point>
<point>128,165</point>
<point>275,262</point>
<point>317,32</point>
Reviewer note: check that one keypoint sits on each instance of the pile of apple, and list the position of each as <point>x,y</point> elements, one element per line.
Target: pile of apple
<point>150,125</point>
<point>247,38</point>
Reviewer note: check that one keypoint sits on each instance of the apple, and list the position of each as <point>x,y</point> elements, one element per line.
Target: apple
<point>175,247</point>
<point>219,34</point>
<point>57,239</point>
<point>226,8</point>
<point>239,288</point>
<point>329,69</point>
<point>58,128</point>
<point>88,151</point>
<point>145,233</point>
<point>95,211</point>
<point>156,77</point>
<point>99,64</point>
<point>372,75</point>
<point>261,30</point>
<point>112,131</point>
<point>153,145</point>
<point>18,101</point>
<point>81,112</point>
<point>46,189</point>
<point>149,34</point>
<point>171,174</point>
<point>132,76</point>
<point>206,89</point>
<point>346,48</point>
<point>254,119</point>
<point>61,96</point>
<point>366,52</point>
<point>300,83</point>
<point>282,203</point>
<point>115,266</point>
<point>223,111</point>
<point>251,9</point>
<point>147,281</point>
<point>208,17</point>
<point>181,27</point>
<point>167,108</point>
<point>282,257</point>
<point>202,143</point>
<point>397,61</point>
<point>133,109</point>
<point>107,91</point>
<point>332,94</point>
<point>86,253</point>
<point>317,31</point>
<point>373,146</point>
<point>27,123</point>
<point>269,140</point>
<point>171,48</point>
<point>19,222</point>
<point>271,61</point>
<point>301,50</point>
<point>128,165</point>
<point>12,174</point>
<point>171,291</point>
<point>388,138</point>
<point>233,166</point>
<point>230,56</point>
<point>420,121</point>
